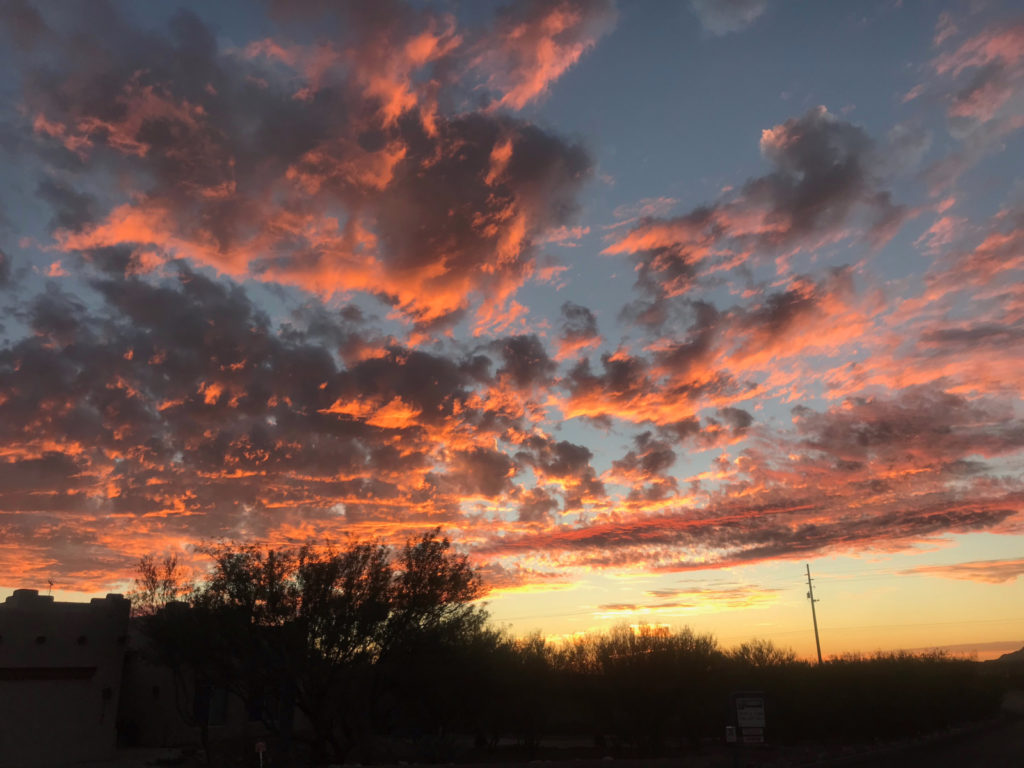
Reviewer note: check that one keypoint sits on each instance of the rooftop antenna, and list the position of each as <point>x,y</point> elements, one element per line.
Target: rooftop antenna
<point>814,615</point>
<point>50,588</point>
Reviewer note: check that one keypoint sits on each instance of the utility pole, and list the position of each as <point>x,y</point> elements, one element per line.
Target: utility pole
<point>814,615</point>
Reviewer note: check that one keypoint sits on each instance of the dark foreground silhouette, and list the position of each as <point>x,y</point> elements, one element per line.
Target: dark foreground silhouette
<point>364,654</point>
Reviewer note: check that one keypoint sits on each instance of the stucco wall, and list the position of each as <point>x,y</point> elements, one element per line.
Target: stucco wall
<point>60,677</point>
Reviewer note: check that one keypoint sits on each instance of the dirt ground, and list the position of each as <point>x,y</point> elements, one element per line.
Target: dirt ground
<point>998,744</point>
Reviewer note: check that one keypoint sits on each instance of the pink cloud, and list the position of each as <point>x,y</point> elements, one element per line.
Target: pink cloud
<point>535,43</point>
<point>983,571</point>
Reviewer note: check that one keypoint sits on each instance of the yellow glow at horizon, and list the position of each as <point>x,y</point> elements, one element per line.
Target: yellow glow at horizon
<point>866,605</point>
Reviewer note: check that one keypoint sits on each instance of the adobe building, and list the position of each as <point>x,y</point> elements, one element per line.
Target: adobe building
<point>60,676</point>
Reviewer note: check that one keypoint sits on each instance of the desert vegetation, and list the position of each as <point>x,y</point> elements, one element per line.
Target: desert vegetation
<point>363,652</point>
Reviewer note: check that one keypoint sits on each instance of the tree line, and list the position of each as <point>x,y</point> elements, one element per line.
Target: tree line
<point>364,652</point>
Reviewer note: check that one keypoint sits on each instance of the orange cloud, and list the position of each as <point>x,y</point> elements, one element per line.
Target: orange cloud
<point>984,571</point>
<point>534,44</point>
<point>687,600</point>
<point>1004,45</point>
<point>156,395</point>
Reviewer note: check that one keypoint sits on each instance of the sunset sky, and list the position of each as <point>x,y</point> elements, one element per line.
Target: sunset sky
<point>646,304</point>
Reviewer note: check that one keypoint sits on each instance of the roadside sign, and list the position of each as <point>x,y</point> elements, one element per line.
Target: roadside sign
<point>750,712</point>
<point>753,735</point>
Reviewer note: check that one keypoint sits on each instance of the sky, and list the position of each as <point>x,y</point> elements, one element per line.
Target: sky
<point>648,306</point>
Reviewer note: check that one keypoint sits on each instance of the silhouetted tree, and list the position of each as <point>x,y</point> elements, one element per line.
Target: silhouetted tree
<point>157,584</point>
<point>366,641</point>
<point>643,685</point>
<point>316,626</point>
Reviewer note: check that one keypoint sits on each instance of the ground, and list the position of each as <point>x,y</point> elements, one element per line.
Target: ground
<point>996,744</point>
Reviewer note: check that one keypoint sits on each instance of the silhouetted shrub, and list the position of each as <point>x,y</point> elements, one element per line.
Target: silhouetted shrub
<point>388,657</point>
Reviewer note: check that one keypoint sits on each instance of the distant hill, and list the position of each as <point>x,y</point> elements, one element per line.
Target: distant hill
<point>1013,657</point>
